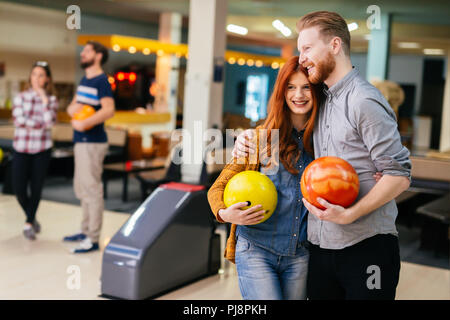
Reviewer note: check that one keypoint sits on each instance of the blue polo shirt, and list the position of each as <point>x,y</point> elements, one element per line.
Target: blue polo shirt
<point>90,91</point>
<point>286,229</point>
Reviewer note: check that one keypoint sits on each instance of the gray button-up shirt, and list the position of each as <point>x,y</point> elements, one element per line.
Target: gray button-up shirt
<point>356,123</point>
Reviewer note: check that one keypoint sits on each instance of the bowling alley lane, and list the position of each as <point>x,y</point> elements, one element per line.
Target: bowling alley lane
<point>45,268</point>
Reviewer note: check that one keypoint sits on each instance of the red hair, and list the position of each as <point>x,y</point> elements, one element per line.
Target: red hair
<point>330,24</point>
<point>279,116</point>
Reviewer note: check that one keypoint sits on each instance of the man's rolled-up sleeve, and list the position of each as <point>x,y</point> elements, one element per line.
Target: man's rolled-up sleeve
<point>378,128</point>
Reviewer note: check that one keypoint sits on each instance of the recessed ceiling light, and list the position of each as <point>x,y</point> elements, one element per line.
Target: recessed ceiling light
<point>408,45</point>
<point>434,52</point>
<point>277,24</point>
<point>352,26</point>
<point>237,29</point>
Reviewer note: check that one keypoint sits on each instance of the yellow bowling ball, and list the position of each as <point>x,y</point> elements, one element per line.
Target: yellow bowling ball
<point>252,186</point>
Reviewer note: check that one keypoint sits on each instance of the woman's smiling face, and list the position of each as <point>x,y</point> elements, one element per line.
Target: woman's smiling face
<point>298,94</point>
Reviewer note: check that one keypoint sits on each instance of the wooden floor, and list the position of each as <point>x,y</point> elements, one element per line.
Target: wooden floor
<point>44,269</point>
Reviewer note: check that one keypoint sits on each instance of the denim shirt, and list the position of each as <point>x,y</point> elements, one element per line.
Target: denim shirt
<point>286,229</point>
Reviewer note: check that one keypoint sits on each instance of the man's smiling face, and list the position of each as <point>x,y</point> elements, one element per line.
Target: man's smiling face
<point>315,54</point>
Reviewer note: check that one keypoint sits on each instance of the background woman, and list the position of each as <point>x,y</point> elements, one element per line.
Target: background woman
<point>34,113</point>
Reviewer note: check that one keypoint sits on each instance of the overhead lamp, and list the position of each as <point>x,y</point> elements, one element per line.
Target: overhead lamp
<point>241,61</point>
<point>408,45</point>
<point>116,48</point>
<point>434,52</point>
<point>237,29</point>
<point>258,63</point>
<point>250,62</point>
<point>275,65</point>
<point>146,51</point>
<point>277,24</point>
<point>231,60</point>
<point>132,49</point>
<point>352,26</point>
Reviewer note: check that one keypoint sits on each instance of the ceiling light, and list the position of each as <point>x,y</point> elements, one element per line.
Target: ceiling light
<point>237,29</point>
<point>132,50</point>
<point>277,24</point>
<point>116,48</point>
<point>352,26</point>
<point>434,52</point>
<point>408,45</point>
<point>146,51</point>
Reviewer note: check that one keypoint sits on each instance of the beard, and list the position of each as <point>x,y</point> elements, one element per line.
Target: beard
<point>87,64</point>
<point>323,69</point>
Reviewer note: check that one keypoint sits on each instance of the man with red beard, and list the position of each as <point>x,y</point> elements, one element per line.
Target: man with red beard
<point>354,252</point>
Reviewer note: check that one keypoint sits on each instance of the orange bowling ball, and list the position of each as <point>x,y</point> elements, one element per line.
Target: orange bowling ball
<point>332,179</point>
<point>85,112</point>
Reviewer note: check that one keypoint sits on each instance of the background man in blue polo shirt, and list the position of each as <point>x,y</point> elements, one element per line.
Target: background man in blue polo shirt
<point>90,144</point>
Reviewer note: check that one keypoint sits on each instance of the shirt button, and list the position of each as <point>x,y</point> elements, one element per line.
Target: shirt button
<point>328,126</point>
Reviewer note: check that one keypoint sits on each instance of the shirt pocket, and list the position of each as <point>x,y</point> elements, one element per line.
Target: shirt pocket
<point>273,173</point>
<point>342,133</point>
<point>288,186</point>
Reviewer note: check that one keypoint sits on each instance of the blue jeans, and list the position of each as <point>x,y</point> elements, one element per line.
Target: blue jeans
<point>264,275</point>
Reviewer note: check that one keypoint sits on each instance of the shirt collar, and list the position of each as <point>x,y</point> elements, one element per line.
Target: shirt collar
<point>339,86</point>
<point>297,133</point>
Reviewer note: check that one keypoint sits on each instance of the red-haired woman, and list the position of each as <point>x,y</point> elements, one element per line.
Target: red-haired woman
<point>272,257</point>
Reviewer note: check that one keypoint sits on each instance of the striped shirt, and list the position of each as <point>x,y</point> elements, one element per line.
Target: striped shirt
<point>33,121</point>
<point>90,91</point>
<point>88,95</point>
